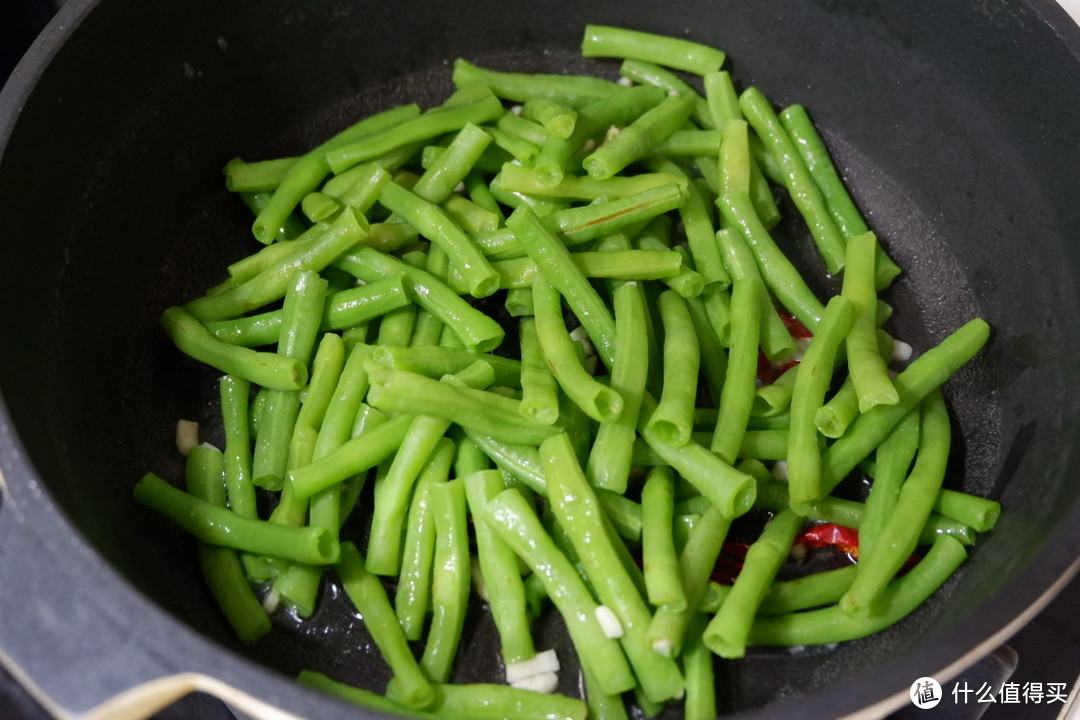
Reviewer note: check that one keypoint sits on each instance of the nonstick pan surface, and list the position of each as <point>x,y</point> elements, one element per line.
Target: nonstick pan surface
<point>954,123</point>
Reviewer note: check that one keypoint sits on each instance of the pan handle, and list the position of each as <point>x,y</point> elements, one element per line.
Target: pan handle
<point>151,697</point>
<point>78,647</point>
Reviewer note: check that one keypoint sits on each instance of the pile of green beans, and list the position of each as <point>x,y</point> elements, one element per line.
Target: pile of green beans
<point>509,350</point>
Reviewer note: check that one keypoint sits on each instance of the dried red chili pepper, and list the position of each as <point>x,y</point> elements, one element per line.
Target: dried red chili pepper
<point>768,371</point>
<point>736,550</point>
<point>823,535</point>
<point>842,538</point>
<point>730,562</point>
<point>796,328</point>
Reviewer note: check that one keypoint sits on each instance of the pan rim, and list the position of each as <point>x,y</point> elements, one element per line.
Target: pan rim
<point>24,483</point>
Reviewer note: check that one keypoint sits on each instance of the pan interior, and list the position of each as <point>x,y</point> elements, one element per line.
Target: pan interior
<point>113,208</point>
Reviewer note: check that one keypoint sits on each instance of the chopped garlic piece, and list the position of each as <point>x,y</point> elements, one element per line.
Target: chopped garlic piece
<point>580,335</point>
<point>187,436</point>
<point>539,664</point>
<point>542,683</point>
<point>609,622</point>
<point>663,646</point>
<point>271,602</point>
<point>779,470</point>
<point>901,351</point>
<point>478,581</point>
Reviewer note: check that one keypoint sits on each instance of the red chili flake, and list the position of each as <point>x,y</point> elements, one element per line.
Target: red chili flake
<point>726,571</point>
<point>796,328</point>
<point>765,374</point>
<point>730,562</point>
<point>784,367</point>
<point>842,538</point>
<point>823,535</point>
<point>735,549</point>
<point>768,371</point>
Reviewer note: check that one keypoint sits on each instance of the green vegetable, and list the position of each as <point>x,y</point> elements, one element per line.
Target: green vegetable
<point>516,523</point>
<point>831,624</point>
<point>270,370</point>
<point>450,581</point>
<point>499,567</point>
<point>659,560</point>
<point>577,510</point>
<point>204,476</point>
<point>607,41</point>
<point>608,466</point>
<point>597,400</point>
<point>727,632</point>
<point>869,374</point>
<point>811,384</point>
<point>307,172</point>
<point>650,370</point>
<point>673,419</point>
<point>639,137</point>
<point>804,192</point>
<point>217,525</point>
<point>409,686</point>
<point>900,534</point>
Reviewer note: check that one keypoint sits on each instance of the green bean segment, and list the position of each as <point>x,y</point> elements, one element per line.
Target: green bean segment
<point>409,686</point>
<point>608,466</point>
<point>639,137</point>
<point>673,420</point>
<point>269,370</point>
<point>514,520</point>
<point>727,632</point>
<point>811,384</point>
<point>431,124</point>
<point>598,401</point>
<point>607,41</point>
<point>928,372</point>
<point>571,90</point>
<point>217,526</point>
<point>831,624</point>
<point>476,330</point>
<point>804,192</point>
<point>868,369</point>
<point>522,358</point>
<point>811,148</point>
<point>270,284</point>
<point>913,507</point>
<point>594,118</point>
<point>502,575</point>
<point>576,508</point>
<point>434,224</point>
<point>578,225</point>
<point>221,567</point>
<point>308,171</point>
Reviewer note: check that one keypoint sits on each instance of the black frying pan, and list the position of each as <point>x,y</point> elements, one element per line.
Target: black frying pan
<point>955,123</point>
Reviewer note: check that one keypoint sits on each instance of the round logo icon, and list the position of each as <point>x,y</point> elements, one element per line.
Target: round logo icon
<point>925,693</point>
